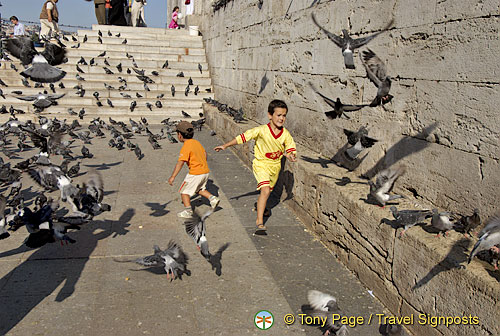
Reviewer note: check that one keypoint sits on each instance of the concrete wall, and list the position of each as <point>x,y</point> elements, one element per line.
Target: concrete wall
<point>443,124</point>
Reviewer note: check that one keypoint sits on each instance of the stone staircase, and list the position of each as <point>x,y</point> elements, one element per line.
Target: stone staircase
<point>150,48</point>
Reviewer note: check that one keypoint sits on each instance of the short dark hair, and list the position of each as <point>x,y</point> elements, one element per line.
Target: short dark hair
<point>13,18</point>
<point>176,7</point>
<point>188,135</point>
<point>276,104</point>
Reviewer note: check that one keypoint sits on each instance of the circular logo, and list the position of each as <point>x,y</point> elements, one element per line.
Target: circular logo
<point>264,320</point>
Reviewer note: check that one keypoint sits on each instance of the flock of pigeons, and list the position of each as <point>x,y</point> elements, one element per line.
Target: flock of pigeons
<point>45,221</point>
<point>381,188</point>
<point>237,115</point>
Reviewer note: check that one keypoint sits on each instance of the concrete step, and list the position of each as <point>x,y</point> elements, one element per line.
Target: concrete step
<point>128,35</point>
<point>152,120</point>
<point>14,78</point>
<point>104,93</point>
<point>71,100</point>
<point>140,30</point>
<point>178,42</point>
<point>88,70</point>
<point>144,64</point>
<point>140,110</point>
<point>144,54</point>
<point>157,47</point>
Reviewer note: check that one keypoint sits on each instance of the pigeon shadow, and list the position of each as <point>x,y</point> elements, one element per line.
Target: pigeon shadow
<point>403,148</point>
<point>322,162</point>
<point>158,209</point>
<point>215,259</point>
<point>263,82</point>
<point>161,271</point>
<point>343,181</point>
<point>454,259</point>
<point>250,193</point>
<point>21,291</point>
<point>104,166</point>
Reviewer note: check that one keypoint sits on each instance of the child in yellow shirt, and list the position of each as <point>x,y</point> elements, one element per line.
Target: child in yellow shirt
<point>272,141</point>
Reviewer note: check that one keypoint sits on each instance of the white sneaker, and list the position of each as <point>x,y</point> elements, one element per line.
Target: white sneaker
<point>214,201</point>
<point>186,213</point>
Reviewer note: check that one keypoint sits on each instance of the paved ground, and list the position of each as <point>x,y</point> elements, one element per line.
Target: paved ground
<point>80,290</point>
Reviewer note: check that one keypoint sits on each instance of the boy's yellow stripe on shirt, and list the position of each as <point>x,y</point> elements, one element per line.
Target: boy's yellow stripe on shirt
<point>269,147</point>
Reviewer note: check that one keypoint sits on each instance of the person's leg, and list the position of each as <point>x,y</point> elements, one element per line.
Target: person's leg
<point>106,13</point>
<point>186,200</point>
<point>44,28</point>
<point>265,191</point>
<point>135,13</point>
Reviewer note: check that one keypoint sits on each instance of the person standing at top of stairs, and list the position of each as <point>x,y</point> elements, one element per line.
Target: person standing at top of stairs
<point>100,11</point>
<point>138,13</point>
<point>49,17</point>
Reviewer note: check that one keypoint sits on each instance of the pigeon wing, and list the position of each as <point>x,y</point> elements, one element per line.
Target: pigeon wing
<point>375,68</point>
<point>195,227</point>
<point>336,39</point>
<point>359,42</point>
<point>319,300</point>
<point>28,98</point>
<point>22,48</point>
<point>327,100</point>
<point>54,54</point>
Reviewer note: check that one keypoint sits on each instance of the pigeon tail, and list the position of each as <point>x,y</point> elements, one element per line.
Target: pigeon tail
<point>43,73</point>
<point>348,59</point>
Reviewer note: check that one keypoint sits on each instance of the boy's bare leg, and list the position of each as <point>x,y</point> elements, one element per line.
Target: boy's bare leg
<point>205,193</point>
<point>186,200</point>
<point>261,204</point>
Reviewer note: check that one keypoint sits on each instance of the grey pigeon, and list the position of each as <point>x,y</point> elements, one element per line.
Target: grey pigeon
<point>339,108</point>
<point>13,67</point>
<point>165,65</point>
<point>26,83</point>
<point>42,64</point>
<point>61,85</point>
<point>469,223</point>
<point>155,73</point>
<point>196,90</point>
<point>85,38</point>
<point>51,177</point>
<point>119,67</point>
<point>80,78</point>
<point>392,330</point>
<point>358,142</point>
<point>99,39</point>
<point>149,106</point>
<point>79,69</point>
<point>52,87</point>
<point>42,101</point>
<point>324,306</point>
<point>172,90</point>
<point>86,153</point>
<point>200,68</point>
<point>408,218</point>
<point>377,73</point>
<point>441,221</point>
<point>124,41</point>
<point>158,104</point>
<point>3,221</point>
<point>489,237</point>
<point>102,54</point>
<point>185,114</point>
<point>180,74</point>
<point>190,81</point>
<point>133,105</point>
<point>347,43</point>
<point>173,260</point>
<point>384,183</point>
<point>196,229</point>
<point>108,72</point>
<point>138,95</point>
<point>110,103</point>
<point>138,152</point>
<point>186,92</point>
<point>109,33</point>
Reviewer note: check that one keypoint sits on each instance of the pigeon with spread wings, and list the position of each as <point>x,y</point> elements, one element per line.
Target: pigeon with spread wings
<point>339,109</point>
<point>42,68</point>
<point>196,229</point>
<point>347,43</point>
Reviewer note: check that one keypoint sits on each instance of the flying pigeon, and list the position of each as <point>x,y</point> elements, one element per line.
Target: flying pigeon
<point>42,101</point>
<point>376,71</point>
<point>173,260</point>
<point>358,141</point>
<point>51,177</point>
<point>196,229</point>
<point>339,109</point>
<point>489,237</point>
<point>408,218</point>
<point>347,43</point>
<point>42,64</point>
<point>384,183</point>
<point>325,306</point>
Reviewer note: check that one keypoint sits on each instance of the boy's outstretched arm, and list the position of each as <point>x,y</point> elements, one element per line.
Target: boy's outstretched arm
<point>291,156</point>
<point>176,171</point>
<point>226,145</point>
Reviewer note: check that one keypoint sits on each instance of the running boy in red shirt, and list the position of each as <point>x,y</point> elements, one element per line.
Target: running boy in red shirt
<point>272,141</point>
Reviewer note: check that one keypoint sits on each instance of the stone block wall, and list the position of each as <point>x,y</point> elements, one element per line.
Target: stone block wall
<point>443,56</point>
